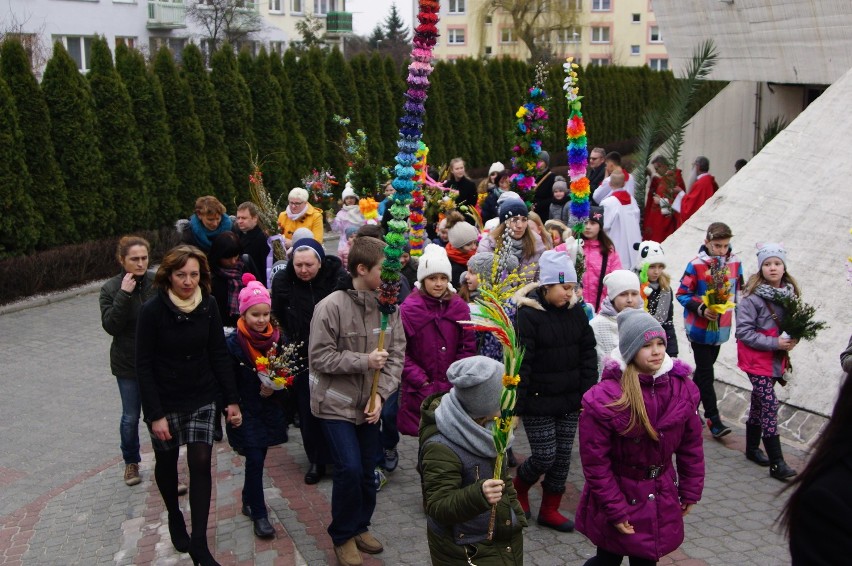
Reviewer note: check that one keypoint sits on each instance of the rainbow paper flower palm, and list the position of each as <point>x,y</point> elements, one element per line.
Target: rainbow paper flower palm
<point>530,120</point>
<point>417,233</point>
<point>578,155</point>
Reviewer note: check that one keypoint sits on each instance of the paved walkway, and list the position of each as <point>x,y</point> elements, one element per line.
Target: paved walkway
<point>63,501</point>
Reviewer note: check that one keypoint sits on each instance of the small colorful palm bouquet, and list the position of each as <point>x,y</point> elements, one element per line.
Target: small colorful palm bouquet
<point>491,317</point>
<point>321,186</point>
<point>798,322</point>
<point>278,368</point>
<point>718,295</point>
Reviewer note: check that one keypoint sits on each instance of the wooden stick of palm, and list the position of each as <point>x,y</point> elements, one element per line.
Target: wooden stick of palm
<point>374,387</point>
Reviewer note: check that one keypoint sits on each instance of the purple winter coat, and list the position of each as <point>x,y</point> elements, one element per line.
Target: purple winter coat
<point>615,465</point>
<point>434,340</point>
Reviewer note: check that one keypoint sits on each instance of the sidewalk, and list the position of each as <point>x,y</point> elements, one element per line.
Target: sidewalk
<point>63,501</point>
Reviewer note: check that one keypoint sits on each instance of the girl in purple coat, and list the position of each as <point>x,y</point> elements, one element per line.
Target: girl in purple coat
<point>434,338</point>
<point>643,412</point>
<point>762,352</point>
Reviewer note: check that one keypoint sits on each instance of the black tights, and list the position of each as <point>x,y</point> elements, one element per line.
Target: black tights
<point>606,558</point>
<point>198,457</point>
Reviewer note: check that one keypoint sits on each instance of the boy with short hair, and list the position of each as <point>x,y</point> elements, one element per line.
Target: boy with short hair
<point>343,354</point>
<point>715,254</point>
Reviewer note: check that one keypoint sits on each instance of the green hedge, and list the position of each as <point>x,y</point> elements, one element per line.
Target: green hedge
<point>132,146</point>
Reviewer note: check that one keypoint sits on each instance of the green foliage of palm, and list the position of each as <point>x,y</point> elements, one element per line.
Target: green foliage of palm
<point>73,130</point>
<point>48,188</point>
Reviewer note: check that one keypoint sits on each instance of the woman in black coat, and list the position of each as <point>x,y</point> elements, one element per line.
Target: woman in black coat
<point>183,364</point>
<point>121,300</point>
<point>308,278</point>
<point>559,366</point>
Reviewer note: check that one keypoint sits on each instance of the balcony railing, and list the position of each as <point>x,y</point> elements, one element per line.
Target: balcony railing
<point>166,15</point>
<point>338,22</point>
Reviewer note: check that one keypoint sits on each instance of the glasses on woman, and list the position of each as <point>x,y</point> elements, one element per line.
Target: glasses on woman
<point>297,204</point>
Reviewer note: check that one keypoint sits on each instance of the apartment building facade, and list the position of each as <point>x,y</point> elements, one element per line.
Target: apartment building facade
<point>148,25</point>
<point>597,32</point>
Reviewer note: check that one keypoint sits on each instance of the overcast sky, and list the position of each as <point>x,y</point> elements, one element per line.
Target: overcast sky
<point>367,13</point>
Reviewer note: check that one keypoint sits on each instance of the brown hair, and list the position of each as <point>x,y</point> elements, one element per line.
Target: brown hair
<point>631,398</point>
<point>528,238</point>
<point>175,259</point>
<point>757,278</point>
<point>208,205</point>
<point>718,231</point>
<point>251,207</point>
<point>127,242</point>
<point>607,244</point>
<point>453,218</point>
<point>544,233</point>
<point>366,251</point>
<point>370,231</point>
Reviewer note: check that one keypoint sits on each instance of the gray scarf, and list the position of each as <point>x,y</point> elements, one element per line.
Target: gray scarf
<point>455,424</point>
<point>770,293</point>
<point>664,301</point>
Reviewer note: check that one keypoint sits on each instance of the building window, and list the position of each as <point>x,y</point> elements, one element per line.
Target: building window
<point>599,61</point>
<point>296,7</point>
<point>601,5</point>
<point>574,5</point>
<point>654,35</point>
<point>569,35</point>
<point>174,44</point>
<point>79,48</point>
<point>275,6</point>
<point>278,47</point>
<point>506,36</point>
<point>636,18</point>
<point>488,50</point>
<point>456,7</point>
<point>659,64</point>
<point>488,20</point>
<point>323,7</point>
<point>600,34</point>
<point>634,50</point>
<point>455,36</point>
<point>128,41</point>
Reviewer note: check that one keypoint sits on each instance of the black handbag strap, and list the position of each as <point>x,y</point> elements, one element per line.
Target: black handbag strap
<point>600,282</point>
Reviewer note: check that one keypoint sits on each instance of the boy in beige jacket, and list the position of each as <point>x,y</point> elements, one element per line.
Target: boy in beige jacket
<point>343,355</point>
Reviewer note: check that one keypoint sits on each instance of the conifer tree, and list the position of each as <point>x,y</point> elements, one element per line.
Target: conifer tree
<point>155,145</point>
<point>333,106</point>
<point>503,111</point>
<point>20,222</point>
<point>471,98</point>
<point>269,134</point>
<point>119,142</point>
<point>208,111</point>
<point>394,28</point>
<point>454,91</point>
<point>488,111</point>
<point>438,133</point>
<point>294,142</point>
<point>370,111</point>
<point>344,80</point>
<point>187,137</point>
<point>310,111</point>
<point>388,110</point>
<point>396,82</point>
<point>234,96</point>
<point>73,131</point>
<point>48,189</point>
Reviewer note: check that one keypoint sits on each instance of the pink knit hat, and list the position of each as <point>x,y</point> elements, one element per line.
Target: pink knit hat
<point>254,293</point>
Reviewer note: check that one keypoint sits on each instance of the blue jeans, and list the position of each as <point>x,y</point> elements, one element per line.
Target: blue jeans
<point>253,482</point>
<point>131,407</point>
<point>353,451</point>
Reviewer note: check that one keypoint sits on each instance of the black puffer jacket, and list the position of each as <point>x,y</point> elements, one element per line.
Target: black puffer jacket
<point>255,244</point>
<point>293,300</point>
<point>560,363</point>
<point>119,312</point>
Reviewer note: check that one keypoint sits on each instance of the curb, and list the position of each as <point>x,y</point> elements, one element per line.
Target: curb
<point>42,300</point>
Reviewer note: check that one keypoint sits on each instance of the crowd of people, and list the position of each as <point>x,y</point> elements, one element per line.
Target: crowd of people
<point>601,363</point>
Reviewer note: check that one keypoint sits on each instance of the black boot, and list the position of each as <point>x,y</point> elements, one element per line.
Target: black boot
<point>177,532</point>
<point>752,450</point>
<point>200,553</point>
<point>778,468</point>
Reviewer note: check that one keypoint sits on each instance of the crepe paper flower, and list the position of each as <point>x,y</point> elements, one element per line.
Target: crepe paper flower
<point>578,156</point>
<point>410,134</point>
<point>718,295</point>
<point>277,368</point>
<point>530,119</point>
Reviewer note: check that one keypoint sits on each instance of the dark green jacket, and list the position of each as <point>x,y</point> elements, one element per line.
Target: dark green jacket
<point>119,311</point>
<point>448,502</point>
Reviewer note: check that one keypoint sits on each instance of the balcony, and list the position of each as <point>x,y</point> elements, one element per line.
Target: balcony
<point>166,15</point>
<point>338,22</point>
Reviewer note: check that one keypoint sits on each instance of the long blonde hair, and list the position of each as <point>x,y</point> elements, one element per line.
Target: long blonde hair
<point>631,398</point>
<point>543,232</point>
<point>757,279</point>
<point>528,239</point>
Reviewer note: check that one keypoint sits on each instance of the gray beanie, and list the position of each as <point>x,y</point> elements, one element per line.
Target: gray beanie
<point>560,184</point>
<point>635,329</point>
<point>477,382</point>
<point>462,234</point>
<point>768,250</point>
<point>556,268</point>
<point>480,263</point>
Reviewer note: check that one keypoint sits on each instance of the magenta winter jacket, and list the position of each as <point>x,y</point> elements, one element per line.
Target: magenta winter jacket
<point>435,340</point>
<point>592,275</point>
<point>616,466</point>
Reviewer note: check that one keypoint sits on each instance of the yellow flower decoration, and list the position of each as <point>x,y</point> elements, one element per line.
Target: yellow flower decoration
<point>511,380</point>
<point>521,112</point>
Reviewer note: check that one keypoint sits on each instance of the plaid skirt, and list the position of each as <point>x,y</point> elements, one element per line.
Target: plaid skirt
<point>186,427</point>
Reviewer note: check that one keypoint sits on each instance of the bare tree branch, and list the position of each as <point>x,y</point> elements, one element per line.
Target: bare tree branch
<point>225,20</point>
<point>533,21</point>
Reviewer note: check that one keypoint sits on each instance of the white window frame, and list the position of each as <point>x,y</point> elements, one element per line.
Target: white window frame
<point>656,64</point>
<point>636,18</point>
<point>452,36</point>
<point>635,50</point>
<point>276,6</point>
<point>601,5</point>
<point>508,32</point>
<point>130,41</point>
<point>83,64</point>
<point>651,35</point>
<point>574,5</point>
<point>297,6</point>
<point>456,7</point>
<point>573,34</point>
<point>604,31</point>
<point>600,61</point>
<point>323,7</point>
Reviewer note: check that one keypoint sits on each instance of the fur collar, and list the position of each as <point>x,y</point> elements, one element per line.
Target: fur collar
<point>614,366</point>
<point>522,298</point>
